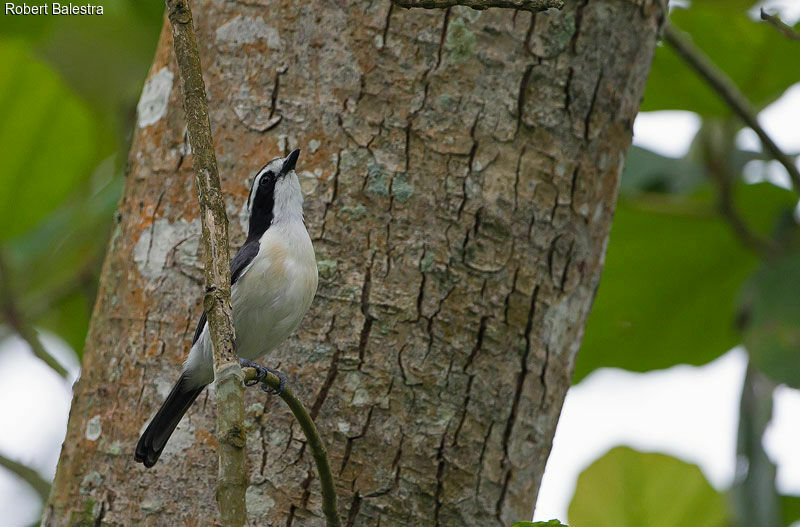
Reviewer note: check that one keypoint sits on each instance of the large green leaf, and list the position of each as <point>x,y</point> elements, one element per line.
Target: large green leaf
<point>752,53</point>
<point>791,509</point>
<point>120,44</point>
<point>48,141</point>
<point>771,301</point>
<point>61,258</point>
<point>626,488</point>
<point>672,276</point>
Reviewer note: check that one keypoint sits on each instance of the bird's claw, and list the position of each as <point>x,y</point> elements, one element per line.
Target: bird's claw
<point>261,376</point>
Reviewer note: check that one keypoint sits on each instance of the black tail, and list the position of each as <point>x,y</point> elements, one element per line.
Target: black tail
<point>155,437</point>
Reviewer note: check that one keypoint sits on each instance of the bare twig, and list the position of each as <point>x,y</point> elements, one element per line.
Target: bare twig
<point>528,5</point>
<point>779,24</point>
<point>28,475</point>
<point>314,441</point>
<point>232,476</point>
<point>728,91</point>
<point>18,323</point>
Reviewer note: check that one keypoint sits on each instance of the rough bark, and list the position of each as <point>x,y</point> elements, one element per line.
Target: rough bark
<point>460,170</point>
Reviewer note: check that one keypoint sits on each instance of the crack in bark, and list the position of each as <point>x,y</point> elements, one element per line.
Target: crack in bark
<point>507,301</point>
<point>587,120</point>
<point>98,521</point>
<point>478,342</point>
<point>567,263</point>
<point>443,38</point>
<point>333,371</point>
<point>366,329</point>
<point>421,292</point>
<point>304,500</point>
<point>349,446</point>
<point>142,384</point>
<point>529,34</point>
<point>516,177</point>
<point>543,375</point>
<point>386,24</point>
<point>355,505</point>
<point>464,413</point>
<point>578,19</point>
<point>439,482</point>
<point>515,404</point>
<point>402,368</point>
<point>306,486</point>
<point>262,430</point>
<point>523,88</point>
<point>334,195</point>
<point>567,86</point>
<point>574,183</point>
<point>396,467</point>
<point>480,458</point>
<point>431,320</point>
<point>274,97</point>
<point>470,160</point>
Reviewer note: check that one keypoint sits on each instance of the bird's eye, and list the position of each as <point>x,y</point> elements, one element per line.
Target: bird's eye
<point>265,179</point>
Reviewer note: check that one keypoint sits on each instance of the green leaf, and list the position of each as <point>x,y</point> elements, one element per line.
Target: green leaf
<point>791,509</point>
<point>672,277</point>
<point>626,488</point>
<point>753,54</point>
<point>772,311</point>
<point>47,137</point>
<point>61,258</point>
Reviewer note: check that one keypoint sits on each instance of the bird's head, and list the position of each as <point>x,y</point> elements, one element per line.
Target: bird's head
<point>275,195</point>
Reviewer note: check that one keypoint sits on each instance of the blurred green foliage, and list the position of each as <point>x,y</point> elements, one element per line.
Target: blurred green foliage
<point>626,488</point>
<point>682,285</point>
<point>51,135</point>
<point>753,55</point>
<point>771,299</point>
<point>68,93</point>
<point>673,272</point>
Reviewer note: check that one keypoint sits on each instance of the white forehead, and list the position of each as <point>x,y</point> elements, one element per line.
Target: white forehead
<point>273,166</point>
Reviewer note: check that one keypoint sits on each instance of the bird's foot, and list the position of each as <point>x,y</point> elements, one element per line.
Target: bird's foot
<point>261,377</point>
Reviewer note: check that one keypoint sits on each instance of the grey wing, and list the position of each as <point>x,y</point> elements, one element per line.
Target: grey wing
<point>243,257</point>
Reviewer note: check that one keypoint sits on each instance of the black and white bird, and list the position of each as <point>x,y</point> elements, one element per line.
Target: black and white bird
<point>273,281</point>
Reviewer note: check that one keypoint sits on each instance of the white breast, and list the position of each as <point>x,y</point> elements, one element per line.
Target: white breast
<point>274,293</point>
<point>269,300</point>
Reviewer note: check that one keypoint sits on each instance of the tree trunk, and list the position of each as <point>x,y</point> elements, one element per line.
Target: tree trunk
<point>460,170</point>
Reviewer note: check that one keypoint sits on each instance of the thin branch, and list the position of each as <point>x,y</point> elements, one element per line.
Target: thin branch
<point>779,24</point>
<point>527,5</point>
<point>728,91</point>
<point>232,475</point>
<point>714,160</point>
<point>314,441</point>
<point>28,475</point>
<point>18,323</point>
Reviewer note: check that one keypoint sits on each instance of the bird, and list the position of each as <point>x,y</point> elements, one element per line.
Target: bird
<point>273,282</point>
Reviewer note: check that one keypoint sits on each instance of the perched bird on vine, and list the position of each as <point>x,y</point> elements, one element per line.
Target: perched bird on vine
<point>273,281</point>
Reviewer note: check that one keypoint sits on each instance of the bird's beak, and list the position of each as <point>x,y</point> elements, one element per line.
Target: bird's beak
<point>289,163</point>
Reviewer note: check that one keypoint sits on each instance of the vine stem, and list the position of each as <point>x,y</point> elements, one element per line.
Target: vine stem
<point>314,442</point>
